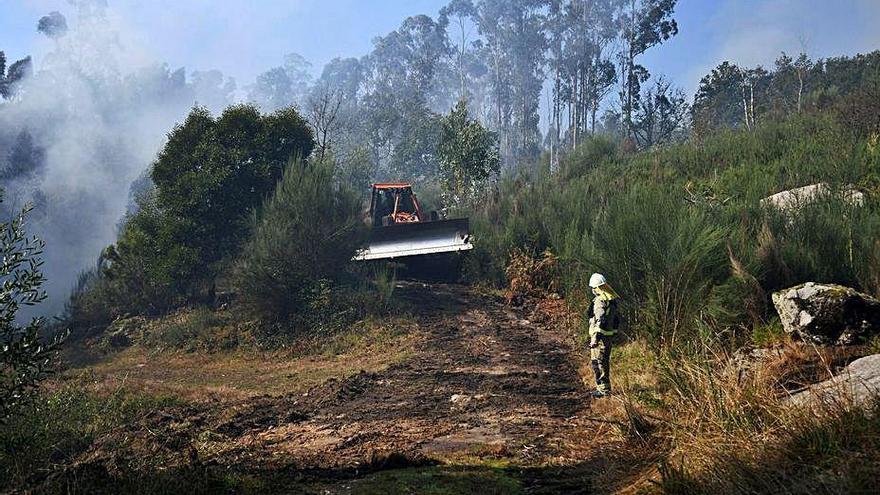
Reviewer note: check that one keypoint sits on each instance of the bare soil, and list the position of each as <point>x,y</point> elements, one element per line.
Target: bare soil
<point>487,385</point>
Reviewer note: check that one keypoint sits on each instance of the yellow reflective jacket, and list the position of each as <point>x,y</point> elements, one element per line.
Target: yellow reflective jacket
<point>603,312</point>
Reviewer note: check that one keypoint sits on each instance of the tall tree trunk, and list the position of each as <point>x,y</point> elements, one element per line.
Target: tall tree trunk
<point>629,69</point>
<point>800,90</point>
<point>744,102</point>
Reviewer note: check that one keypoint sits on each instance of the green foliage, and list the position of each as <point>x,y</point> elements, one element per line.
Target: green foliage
<point>385,282</point>
<point>193,330</point>
<point>664,254</point>
<point>209,178</point>
<point>740,97</point>
<point>468,155</point>
<point>680,231</point>
<point>768,334</point>
<point>212,173</point>
<point>25,358</point>
<point>642,24</point>
<point>301,245</point>
<point>594,152</point>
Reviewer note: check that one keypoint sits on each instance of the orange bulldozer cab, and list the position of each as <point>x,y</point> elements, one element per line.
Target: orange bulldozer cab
<point>393,203</point>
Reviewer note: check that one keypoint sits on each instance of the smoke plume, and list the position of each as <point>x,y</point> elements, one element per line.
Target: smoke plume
<point>81,129</point>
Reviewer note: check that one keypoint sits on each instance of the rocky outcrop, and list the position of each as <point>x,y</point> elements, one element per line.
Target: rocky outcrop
<point>857,384</point>
<point>793,199</point>
<point>828,314</point>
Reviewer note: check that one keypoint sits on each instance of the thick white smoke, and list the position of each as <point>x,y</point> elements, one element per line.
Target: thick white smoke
<point>99,110</point>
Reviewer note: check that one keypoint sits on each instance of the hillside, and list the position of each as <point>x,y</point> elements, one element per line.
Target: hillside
<point>408,272</point>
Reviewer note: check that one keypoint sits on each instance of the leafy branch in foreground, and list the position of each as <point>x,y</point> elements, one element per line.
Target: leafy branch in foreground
<point>24,358</point>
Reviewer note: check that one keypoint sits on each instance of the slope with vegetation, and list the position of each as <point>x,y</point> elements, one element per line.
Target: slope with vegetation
<point>226,341</point>
<point>682,233</point>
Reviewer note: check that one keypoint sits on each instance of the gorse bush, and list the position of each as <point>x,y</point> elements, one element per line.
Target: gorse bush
<point>832,241</point>
<point>301,245</point>
<point>664,253</point>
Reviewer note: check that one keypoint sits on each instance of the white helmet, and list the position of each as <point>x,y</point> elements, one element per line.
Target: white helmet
<point>597,280</point>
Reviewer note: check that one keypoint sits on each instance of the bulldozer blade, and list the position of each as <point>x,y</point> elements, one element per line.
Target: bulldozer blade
<point>414,239</point>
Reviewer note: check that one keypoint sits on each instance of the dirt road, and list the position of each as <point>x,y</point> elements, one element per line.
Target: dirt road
<point>486,386</point>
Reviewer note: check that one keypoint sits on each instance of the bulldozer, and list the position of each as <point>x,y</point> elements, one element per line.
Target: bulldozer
<point>400,228</point>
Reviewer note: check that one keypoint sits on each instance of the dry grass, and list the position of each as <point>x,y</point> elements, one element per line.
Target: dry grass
<point>531,276</point>
<point>793,365</point>
<point>371,345</point>
<point>716,430</point>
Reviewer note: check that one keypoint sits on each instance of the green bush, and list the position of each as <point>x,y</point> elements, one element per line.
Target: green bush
<point>211,175</point>
<point>680,231</point>
<point>196,329</point>
<point>300,247</point>
<point>664,255</point>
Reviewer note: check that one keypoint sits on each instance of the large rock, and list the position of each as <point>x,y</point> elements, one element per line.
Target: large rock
<point>828,313</point>
<point>857,384</point>
<point>794,199</point>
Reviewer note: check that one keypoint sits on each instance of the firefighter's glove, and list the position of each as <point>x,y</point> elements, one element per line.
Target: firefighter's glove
<point>594,341</point>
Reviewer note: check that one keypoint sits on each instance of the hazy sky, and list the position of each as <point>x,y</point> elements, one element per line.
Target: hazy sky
<point>244,37</point>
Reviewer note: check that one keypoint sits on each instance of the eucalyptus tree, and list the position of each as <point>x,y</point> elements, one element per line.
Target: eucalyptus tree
<point>282,86</point>
<point>333,108</point>
<point>661,116</point>
<point>514,38</point>
<point>642,24</point>
<point>731,96</point>
<point>458,17</point>
<point>581,34</point>
<point>399,81</point>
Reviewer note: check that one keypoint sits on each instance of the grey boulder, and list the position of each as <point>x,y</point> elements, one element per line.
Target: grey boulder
<point>828,314</point>
<point>858,384</point>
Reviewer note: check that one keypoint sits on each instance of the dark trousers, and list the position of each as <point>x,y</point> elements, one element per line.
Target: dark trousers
<point>600,359</point>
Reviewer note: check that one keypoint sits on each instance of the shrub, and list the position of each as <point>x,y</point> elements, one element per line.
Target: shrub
<point>679,230</point>
<point>528,276</point>
<point>301,246</point>
<point>195,329</point>
<point>595,152</point>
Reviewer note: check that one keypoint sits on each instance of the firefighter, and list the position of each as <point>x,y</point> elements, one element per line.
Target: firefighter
<point>604,321</point>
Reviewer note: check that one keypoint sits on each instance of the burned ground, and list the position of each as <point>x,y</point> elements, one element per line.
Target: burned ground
<point>488,386</point>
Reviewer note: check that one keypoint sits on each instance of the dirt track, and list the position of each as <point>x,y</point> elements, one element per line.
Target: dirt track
<point>486,383</point>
